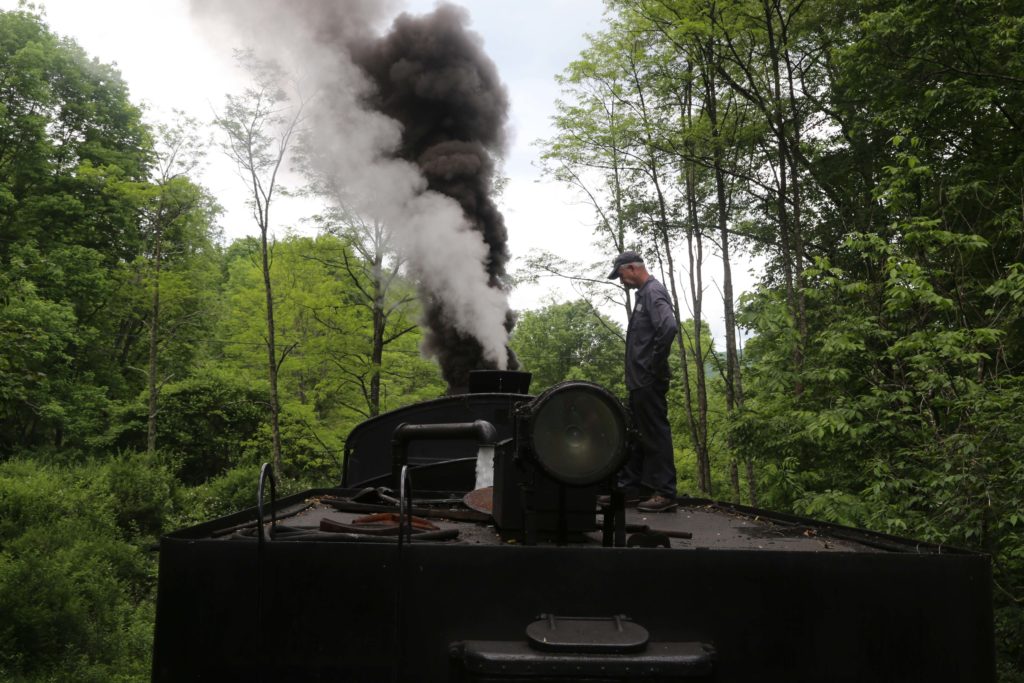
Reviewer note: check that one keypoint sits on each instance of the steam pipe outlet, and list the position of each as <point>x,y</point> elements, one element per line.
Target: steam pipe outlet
<point>481,430</point>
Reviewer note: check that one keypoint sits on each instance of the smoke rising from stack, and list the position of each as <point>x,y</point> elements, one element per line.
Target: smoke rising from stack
<point>404,128</point>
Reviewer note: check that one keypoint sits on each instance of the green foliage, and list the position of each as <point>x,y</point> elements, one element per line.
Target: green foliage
<point>76,208</point>
<point>231,492</point>
<point>570,341</point>
<point>75,595</point>
<point>902,412</point>
<point>326,341</point>
<point>140,493</point>
<point>679,414</point>
<point>207,421</point>
<point>36,335</point>
<point>312,452</point>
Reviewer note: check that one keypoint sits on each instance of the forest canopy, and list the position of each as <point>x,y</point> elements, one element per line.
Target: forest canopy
<point>870,154</point>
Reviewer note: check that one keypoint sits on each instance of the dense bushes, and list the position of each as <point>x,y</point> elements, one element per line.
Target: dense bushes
<point>78,563</point>
<point>205,423</point>
<point>75,584</point>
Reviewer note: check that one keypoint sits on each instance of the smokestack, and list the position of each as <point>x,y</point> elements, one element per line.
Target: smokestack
<point>405,128</point>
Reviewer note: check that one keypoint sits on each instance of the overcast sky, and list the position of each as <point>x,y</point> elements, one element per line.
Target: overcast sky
<point>169,64</point>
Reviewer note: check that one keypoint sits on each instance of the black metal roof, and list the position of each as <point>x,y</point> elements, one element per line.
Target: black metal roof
<point>710,525</point>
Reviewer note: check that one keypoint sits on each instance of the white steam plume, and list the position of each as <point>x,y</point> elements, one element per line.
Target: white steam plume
<point>357,148</point>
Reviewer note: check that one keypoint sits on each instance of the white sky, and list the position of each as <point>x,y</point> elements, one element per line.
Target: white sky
<point>169,65</point>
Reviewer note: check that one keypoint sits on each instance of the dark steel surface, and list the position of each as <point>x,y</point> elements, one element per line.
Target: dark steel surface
<point>738,595</point>
<point>328,609</point>
<point>779,598</point>
<point>499,381</point>
<point>369,441</point>
<point>524,496</point>
<point>478,432</point>
<point>709,525</point>
<point>694,525</point>
<point>660,661</point>
<point>610,635</point>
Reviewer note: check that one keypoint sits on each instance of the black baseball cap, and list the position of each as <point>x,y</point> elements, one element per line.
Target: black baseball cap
<point>622,259</point>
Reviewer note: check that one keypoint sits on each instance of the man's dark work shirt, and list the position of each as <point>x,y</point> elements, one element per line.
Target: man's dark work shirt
<point>649,336</point>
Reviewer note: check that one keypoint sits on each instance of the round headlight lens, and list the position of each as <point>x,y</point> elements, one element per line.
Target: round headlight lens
<point>578,432</point>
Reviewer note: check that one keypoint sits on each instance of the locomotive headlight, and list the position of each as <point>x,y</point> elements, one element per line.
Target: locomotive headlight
<point>577,432</point>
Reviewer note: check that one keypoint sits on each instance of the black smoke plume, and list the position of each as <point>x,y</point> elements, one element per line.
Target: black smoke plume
<point>432,76</point>
<point>406,126</point>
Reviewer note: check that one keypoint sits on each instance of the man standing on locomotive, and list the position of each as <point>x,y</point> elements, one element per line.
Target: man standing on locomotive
<point>652,327</point>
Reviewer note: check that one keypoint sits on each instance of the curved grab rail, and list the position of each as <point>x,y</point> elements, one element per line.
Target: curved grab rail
<point>266,472</point>
<point>404,506</point>
<point>404,536</point>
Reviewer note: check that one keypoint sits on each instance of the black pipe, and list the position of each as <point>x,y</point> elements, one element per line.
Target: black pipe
<point>481,430</point>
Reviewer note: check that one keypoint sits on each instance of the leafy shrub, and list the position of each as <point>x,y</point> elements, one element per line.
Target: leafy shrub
<point>309,452</point>
<point>75,597</point>
<point>230,492</point>
<point>204,423</point>
<point>140,492</point>
<point>233,491</point>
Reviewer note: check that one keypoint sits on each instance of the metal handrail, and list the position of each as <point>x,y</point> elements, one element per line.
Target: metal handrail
<point>266,472</point>
<point>404,529</point>
<point>404,506</point>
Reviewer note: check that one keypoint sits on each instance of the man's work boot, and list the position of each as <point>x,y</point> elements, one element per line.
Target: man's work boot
<point>632,497</point>
<point>657,503</point>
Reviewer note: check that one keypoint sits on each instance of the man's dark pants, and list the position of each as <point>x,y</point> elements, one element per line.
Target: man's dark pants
<point>652,463</point>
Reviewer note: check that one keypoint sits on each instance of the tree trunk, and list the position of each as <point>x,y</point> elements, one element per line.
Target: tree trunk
<point>734,480</point>
<point>154,337</point>
<point>275,409</point>
<point>789,252</point>
<point>698,424</point>
<point>732,365</point>
<point>751,482</point>
<point>377,350</point>
<point>699,427</point>
<point>695,253</point>
<point>252,122</point>
<point>797,225</point>
<point>733,377</point>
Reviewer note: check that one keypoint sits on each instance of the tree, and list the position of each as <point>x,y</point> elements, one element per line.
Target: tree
<point>714,137</point>
<point>177,219</point>
<point>897,415</point>
<point>74,585</point>
<point>209,419</point>
<point>71,147</point>
<point>624,83</point>
<point>323,388</point>
<point>372,269</point>
<point>258,126</point>
<point>570,341</point>
<point>590,154</point>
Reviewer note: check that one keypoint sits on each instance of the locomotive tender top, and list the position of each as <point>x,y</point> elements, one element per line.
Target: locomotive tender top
<point>344,583</point>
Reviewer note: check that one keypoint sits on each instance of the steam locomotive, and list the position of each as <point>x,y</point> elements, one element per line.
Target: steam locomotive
<point>469,540</point>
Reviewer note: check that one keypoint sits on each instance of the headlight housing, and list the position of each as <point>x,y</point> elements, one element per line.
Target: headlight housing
<point>577,432</point>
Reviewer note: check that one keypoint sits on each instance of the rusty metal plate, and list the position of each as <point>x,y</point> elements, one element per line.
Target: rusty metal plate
<point>481,500</point>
